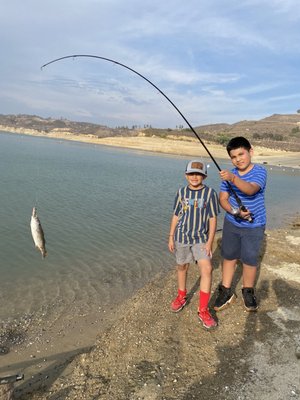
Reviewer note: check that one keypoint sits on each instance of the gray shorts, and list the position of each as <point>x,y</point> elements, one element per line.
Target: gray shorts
<point>187,253</point>
<point>242,243</point>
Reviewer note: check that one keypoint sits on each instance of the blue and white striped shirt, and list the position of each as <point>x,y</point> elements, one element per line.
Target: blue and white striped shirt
<point>254,203</point>
<point>194,208</point>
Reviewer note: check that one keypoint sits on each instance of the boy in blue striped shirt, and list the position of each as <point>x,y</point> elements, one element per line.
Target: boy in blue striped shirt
<point>192,232</point>
<point>243,231</point>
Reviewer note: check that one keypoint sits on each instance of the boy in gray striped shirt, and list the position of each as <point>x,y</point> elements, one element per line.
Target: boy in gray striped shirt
<point>192,232</point>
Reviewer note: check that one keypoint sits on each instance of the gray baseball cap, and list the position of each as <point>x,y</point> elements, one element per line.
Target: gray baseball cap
<point>196,166</point>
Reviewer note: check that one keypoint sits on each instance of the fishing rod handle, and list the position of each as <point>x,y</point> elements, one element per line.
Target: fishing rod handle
<point>249,217</point>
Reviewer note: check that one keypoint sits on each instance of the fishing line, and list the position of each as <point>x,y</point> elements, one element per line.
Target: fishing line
<point>37,180</point>
<point>37,185</point>
<point>238,200</point>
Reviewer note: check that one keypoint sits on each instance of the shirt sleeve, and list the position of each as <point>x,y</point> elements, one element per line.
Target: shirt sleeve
<point>177,204</point>
<point>224,187</point>
<point>260,177</point>
<point>214,207</point>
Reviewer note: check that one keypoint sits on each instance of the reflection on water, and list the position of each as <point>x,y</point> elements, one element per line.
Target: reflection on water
<point>105,213</point>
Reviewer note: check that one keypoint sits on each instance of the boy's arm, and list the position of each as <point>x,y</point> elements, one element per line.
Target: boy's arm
<point>224,201</point>
<point>173,225</point>
<point>249,188</point>
<point>211,235</point>
<point>212,230</point>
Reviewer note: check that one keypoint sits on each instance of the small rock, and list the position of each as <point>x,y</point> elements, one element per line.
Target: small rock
<point>4,350</point>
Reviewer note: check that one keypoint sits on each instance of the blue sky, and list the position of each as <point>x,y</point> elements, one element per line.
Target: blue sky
<point>218,61</point>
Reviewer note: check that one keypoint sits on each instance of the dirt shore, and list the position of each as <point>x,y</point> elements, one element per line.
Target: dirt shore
<point>178,145</point>
<point>150,353</point>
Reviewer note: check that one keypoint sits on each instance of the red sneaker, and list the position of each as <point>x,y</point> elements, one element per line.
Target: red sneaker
<point>206,319</point>
<point>178,303</point>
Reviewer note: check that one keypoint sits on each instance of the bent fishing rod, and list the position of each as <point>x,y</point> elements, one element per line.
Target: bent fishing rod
<point>238,200</point>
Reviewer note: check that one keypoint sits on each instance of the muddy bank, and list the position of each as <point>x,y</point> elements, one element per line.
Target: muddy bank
<point>152,354</point>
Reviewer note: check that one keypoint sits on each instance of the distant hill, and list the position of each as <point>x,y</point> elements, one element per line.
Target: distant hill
<point>23,122</point>
<point>279,131</point>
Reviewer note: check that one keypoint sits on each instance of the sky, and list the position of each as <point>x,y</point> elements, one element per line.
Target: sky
<point>217,61</point>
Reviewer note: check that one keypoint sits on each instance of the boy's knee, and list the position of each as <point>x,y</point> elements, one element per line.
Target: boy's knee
<point>206,269</point>
<point>182,267</point>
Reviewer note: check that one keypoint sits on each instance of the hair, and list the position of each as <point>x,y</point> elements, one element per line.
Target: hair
<point>237,142</point>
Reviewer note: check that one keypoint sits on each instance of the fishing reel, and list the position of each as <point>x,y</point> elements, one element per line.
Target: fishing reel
<point>235,211</point>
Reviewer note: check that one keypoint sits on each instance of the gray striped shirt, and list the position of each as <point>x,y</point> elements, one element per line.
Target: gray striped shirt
<point>194,208</point>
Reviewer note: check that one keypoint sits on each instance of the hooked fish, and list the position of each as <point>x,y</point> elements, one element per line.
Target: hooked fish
<point>37,233</point>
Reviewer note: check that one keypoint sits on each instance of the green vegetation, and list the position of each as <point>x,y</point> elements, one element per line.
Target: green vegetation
<point>269,136</point>
<point>223,139</point>
<point>295,132</point>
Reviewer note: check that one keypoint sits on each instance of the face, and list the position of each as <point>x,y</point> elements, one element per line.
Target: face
<point>195,180</point>
<point>241,158</point>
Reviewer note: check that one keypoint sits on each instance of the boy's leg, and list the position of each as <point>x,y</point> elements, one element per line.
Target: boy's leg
<point>182,276</point>
<point>228,270</point>
<point>205,288</point>
<point>183,257</point>
<point>180,301</point>
<point>205,268</point>
<point>250,249</point>
<point>225,295</point>
<point>249,276</point>
<point>230,250</point>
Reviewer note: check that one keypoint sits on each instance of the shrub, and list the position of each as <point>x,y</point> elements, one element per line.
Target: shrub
<point>223,139</point>
<point>295,132</point>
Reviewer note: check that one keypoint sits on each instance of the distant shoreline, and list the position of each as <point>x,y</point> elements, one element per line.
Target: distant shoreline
<point>171,145</point>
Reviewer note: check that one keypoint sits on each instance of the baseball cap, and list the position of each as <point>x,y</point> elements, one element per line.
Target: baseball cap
<point>196,166</point>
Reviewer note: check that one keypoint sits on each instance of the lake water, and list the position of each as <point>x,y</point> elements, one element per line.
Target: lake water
<point>105,213</point>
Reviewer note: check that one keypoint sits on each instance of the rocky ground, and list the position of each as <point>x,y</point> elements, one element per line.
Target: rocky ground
<point>151,353</point>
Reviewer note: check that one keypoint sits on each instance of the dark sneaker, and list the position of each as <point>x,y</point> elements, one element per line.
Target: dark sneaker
<point>178,303</point>
<point>224,299</point>
<point>249,299</point>
<point>206,319</point>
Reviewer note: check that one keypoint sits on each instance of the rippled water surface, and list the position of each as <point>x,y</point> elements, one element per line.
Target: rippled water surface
<point>105,214</point>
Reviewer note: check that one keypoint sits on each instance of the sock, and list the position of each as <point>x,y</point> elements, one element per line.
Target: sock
<point>203,300</point>
<point>182,293</point>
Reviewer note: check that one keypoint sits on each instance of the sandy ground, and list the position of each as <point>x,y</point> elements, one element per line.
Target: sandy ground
<point>178,145</point>
<point>150,353</point>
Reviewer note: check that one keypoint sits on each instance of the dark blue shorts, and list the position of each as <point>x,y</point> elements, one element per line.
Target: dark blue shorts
<point>242,243</point>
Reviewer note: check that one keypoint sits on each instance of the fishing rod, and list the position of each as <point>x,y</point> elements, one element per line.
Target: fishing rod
<point>238,200</point>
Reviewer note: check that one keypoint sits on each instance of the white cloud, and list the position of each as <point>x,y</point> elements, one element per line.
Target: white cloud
<point>229,62</point>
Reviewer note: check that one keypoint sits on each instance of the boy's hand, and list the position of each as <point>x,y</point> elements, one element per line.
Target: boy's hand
<point>208,250</point>
<point>246,214</point>
<point>171,244</point>
<point>226,175</point>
